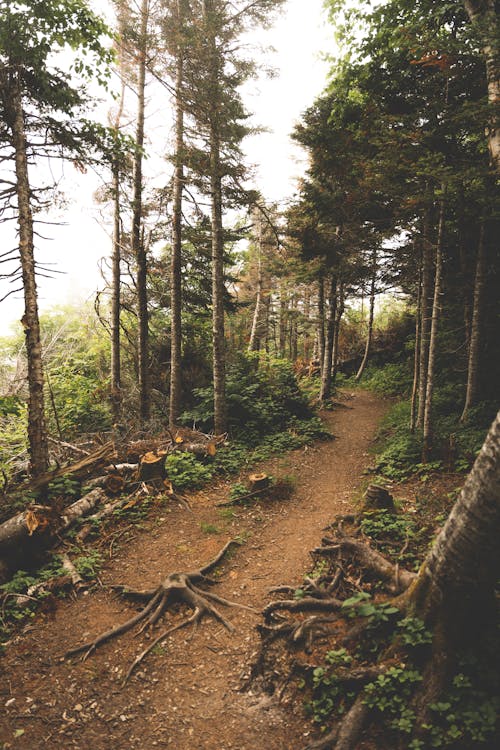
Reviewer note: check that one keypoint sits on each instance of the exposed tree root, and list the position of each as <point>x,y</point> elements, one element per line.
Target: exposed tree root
<point>175,589</point>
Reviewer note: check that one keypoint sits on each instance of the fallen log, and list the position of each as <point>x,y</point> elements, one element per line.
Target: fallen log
<point>81,468</point>
<point>37,519</point>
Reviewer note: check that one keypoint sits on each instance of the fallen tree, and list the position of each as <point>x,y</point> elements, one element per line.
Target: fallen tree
<point>416,634</point>
<point>176,588</point>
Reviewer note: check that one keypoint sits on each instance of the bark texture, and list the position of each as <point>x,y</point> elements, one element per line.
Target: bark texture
<point>176,261</point>
<point>369,336</point>
<point>483,15</point>
<point>326,370</point>
<point>475,333</point>
<point>138,244</point>
<point>37,433</point>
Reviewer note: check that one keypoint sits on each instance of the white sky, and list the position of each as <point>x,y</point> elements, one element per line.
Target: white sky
<point>299,37</point>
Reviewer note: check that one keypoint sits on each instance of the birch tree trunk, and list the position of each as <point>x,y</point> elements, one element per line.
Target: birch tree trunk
<point>326,377</point>
<point>436,307</point>
<point>254,342</point>
<point>176,259</point>
<point>483,15</point>
<point>369,336</point>
<point>37,433</point>
<point>138,246</point>
<point>471,396</point>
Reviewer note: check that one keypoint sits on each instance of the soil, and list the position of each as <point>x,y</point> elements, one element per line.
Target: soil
<point>186,694</point>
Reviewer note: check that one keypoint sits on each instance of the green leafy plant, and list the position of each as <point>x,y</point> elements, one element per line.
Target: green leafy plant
<point>89,565</point>
<point>185,471</point>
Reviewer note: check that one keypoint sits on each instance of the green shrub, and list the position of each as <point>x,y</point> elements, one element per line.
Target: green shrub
<point>262,397</point>
<point>185,471</point>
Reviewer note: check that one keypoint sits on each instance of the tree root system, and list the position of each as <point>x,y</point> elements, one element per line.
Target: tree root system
<point>329,610</point>
<point>177,588</point>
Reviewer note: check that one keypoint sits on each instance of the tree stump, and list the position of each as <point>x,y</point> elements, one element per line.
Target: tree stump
<point>152,466</point>
<point>258,482</point>
<point>378,498</point>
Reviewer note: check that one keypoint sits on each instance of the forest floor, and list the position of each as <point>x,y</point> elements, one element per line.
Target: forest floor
<point>185,695</point>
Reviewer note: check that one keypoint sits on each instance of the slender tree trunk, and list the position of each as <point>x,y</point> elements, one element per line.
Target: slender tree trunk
<point>436,307</point>
<point>369,336</point>
<point>138,246</point>
<point>37,433</point>
<point>176,260</point>
<point>338,321</point>
<point>115,298</point>
<point>306,341</point>
<point>283,319</point>
<point>293,329</point>
<point>326,379</point>
<point>218,339</point>
<point>471,396</point>
<point>484,15</point>
<point>418,344</point>
<point>425,325</point>
<point>321,321</point>
<point>254,343</point>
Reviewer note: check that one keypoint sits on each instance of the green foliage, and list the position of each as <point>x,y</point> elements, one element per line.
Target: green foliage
<point>185,471</point>
<point>262,398</point>
<point>328,693</point>
<point>88,565</point>
<point>399,452</point>
<point>238,490</point>
<point>390,694</point>
<point>209,528</point>
<point>392,379</point>
<point>413,632</point>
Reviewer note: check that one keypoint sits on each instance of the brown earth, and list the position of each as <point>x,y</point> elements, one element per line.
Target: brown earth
<point>185,694</point>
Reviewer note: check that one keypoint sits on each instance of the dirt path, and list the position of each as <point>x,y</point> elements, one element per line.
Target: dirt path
<point>185,695</point>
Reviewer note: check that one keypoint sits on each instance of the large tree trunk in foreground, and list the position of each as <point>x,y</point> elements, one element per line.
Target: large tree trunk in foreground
<point>37,434</point>
<point>176,261</point>
<point>484,16</point>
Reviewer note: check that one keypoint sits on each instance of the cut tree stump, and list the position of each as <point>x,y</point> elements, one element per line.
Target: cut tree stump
<point>152,466</point>
<point>183,587</point>
<point>378,498</point>
<point>258,482</point>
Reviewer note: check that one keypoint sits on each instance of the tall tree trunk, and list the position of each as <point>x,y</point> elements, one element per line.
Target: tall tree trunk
<point>326,378</point>
<point>37,433</point>
<point>436,307</point>
<point>338,321</point>
<point>369,336</point>
<point>321,321</point>
<point>475,337</point>
<point>254,342</point>
<point>418,344</point>
<point>138,246</point>
<point>176,260</point>
<point>116,397</point>
<point>306,341</point>
<point>283,318</point>
<point>294,344</point>
<point>425,325</point>
<point>218,339</point>
<point>483,15</point>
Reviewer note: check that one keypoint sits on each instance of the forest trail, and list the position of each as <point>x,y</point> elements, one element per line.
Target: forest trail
<point>185,695</point>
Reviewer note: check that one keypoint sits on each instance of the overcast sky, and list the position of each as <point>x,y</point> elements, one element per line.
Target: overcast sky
<point>299,37</point>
